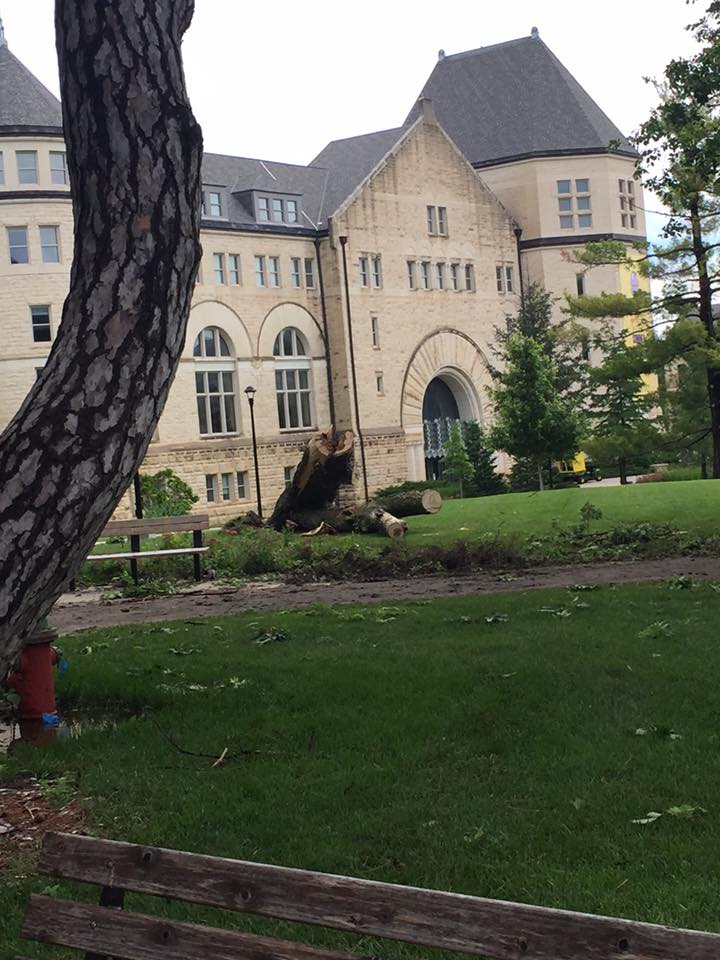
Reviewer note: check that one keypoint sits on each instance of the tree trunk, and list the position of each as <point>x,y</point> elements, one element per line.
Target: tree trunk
<point>541,486</point>
<point>341,520</point>
<point>703,467</point>
<point>325,466</point>
<point>412,503</point>
<point>622,467</point>
<point>134,153</point>
<point>373,519</point>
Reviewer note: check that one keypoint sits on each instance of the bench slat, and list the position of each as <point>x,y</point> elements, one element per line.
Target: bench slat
<point>140,554</point>
<point>147,525</point>
<point>474,925</point>
<point>136,936</point>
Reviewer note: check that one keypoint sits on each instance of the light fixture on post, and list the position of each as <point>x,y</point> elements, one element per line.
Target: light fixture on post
<point>250,394</point>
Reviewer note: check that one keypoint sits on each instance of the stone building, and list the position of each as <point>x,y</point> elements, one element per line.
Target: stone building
<point>360,290</point>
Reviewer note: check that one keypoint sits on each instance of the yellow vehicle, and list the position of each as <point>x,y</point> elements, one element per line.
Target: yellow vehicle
<point>578,470</point>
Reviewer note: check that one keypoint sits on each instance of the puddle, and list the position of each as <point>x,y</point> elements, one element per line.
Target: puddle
<point>70,727</point>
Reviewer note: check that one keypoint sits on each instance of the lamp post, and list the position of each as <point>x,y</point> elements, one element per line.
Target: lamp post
<point>250,394</point>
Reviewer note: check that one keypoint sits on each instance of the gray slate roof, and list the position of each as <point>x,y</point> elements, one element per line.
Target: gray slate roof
<point>24,102</point>
<point>513,100</point>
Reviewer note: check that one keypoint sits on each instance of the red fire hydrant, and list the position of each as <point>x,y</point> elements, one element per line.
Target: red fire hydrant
<point>33,678</point>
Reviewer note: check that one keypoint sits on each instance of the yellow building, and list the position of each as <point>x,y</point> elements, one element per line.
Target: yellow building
<point>360,290</point>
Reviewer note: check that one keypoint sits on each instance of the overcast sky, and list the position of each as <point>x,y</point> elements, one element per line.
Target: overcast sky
<point>277,81</point>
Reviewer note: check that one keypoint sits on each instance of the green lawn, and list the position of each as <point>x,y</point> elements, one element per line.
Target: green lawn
<point>485,745</point>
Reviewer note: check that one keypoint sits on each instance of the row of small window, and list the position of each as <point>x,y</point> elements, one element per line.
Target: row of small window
<point>267,209</point>
<point>628,217</point>
<point>20,249</point>
<point>424,275</point>
<point>232,486</point>
<point>227,269</point>
<point>28,170</point>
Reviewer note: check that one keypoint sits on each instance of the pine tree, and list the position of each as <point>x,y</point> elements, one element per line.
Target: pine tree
<point>485,481</point>
<point>457,464</point>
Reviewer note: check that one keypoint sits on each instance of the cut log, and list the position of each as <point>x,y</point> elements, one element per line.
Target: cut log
<point>326,465</point>
<point>373,519</point>
<point>411,503</point>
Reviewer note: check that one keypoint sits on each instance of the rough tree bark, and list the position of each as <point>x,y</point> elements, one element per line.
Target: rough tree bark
<point>412,503</point>
<point>134,154</point>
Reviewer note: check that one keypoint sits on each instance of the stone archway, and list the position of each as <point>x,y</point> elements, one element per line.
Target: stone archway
<point>445,380</point>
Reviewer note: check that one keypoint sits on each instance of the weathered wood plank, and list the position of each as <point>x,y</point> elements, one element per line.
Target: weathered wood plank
<point>491,928</point>
<point>144,554</point>
<point>148,525</point>
<point>136,936</point>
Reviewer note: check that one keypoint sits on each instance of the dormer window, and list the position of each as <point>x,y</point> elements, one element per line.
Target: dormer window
<point>277,209</point>
<point>212,205</point>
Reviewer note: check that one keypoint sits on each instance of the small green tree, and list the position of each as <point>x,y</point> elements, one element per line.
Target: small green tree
<point>456,463</point>
<point>531,420</point>
<point>619,408</point>
<point>485,480</point>
<point>686,412</point>
<point>165,494</point>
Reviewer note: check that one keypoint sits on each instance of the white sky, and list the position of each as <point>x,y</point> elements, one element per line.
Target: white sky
<point>278,81</point>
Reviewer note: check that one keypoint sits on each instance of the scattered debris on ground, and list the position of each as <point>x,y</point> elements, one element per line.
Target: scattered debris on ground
<point>30,809</point>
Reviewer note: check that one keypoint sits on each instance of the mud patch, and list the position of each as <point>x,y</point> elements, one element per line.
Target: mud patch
<point>28,810</point>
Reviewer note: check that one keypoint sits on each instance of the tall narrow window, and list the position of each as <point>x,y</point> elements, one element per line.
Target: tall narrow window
<point>499,280</point>
<point>364,275</point>
<point>212,204</point>
<point>274,271</point>
<point>442,221</point>
<point>379,382</point>
<point>377,271</point>
<point>277,210</point>
<point>440,275</point>
<point>292,380</point>
<point>2,168</point>
<point>295,278</point>
<point>27,166</point>
<point>631,187</point>
<point>40,320</point>
<point>219,267</point>
<point>58,167</point>
<point>260,271</point>
<point>310,273</point>
<point>210,487</point>
<point>50,244</point>
<point>580,283</point>
<point>455,276</point>
<point>412,283</point>
<point>18,243</point>
<point>425,275</point>
<point>509,279</point>
<point>242,484</point>
<point>621,186</point>
<point>375,328</point>
<point>225,480</point>
<point>234,268</point>
<point>215,390</point>
<point>431,221</point>
<point>263,208</point>
<point>469,277</point>
<point>291,211</point>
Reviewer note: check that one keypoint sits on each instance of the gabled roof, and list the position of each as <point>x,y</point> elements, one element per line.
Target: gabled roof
<point>350,161</point>
<point>25,104</point>
<point>515,100</point>
<point>239,175</point>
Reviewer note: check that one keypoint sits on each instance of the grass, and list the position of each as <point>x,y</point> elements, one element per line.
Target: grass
<point>497,532</point>
<point>485,745</point>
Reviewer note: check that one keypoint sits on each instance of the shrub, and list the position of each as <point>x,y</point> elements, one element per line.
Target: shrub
<point>165,494</point>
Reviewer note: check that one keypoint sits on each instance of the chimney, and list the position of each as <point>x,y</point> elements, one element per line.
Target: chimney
<point>441,54</point>
<point>535,33</point>
<point>426,110</point>
<point>3,41</point>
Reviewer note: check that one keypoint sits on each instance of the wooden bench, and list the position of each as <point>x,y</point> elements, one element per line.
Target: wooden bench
<point>193,523</point>
<point>450,921</point>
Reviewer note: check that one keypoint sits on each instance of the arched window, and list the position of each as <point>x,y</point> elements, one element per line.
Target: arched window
<point>292,380</point>
<point>215,382</point>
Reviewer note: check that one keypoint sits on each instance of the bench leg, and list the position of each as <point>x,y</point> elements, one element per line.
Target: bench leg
<point>114,899</point>
<point>135,547</point>
<point>197,542</point>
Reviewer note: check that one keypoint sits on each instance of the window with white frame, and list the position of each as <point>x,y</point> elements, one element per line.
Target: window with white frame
<point>260,279</point>
<point>210,487</point>
<point>364,273</point>
<point>574,203</point>
<point>430,215</point>
<point>277,209</point>
<point>455,276</point>
<point>50,244</point>
<point>219,268</point>
<point>18,244</point>
<point>376,271</point>
<point>442,221</point>
<point>292,380</point>
<point>241,479</point>
<point>274,271</point>
<point>440,276</point>
<point>291,211</point>
<point>40,321</point>
<point>27,166</point>
<point>295,276</point>
<point>2,168</point>
<point>234,269</point>
<point>214,382</point>
<point>411,274</point>
<point>469,277</point>
<point>225,486</point>
<point>509,279</point>
<point>212,204</point>
<point>310,273</point>
<point>375,330</point>
<point>58,167</point>
<point>499,279</point>
<point>425,274</point>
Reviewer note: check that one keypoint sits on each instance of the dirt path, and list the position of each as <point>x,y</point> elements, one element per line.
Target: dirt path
<point>83,610</point>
